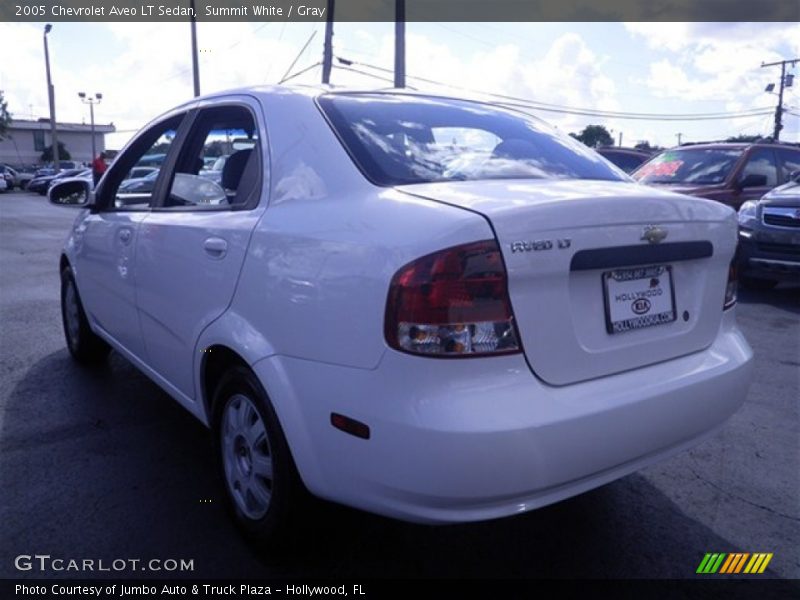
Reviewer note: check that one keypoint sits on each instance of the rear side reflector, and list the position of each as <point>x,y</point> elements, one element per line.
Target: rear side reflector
<point>351,426</point>
<point>452,303</point>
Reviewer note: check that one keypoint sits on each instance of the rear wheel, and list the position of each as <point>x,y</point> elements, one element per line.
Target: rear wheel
<point>262,487</point>
<point>84,345</point>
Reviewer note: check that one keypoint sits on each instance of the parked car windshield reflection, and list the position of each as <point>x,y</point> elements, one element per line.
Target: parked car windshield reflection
<point>690,165</point>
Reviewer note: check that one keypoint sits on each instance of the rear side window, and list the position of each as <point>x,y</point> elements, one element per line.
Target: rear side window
<point>396,139</point>
<point>790,159</point>
<point>762,162</point>
<point>228,135</point>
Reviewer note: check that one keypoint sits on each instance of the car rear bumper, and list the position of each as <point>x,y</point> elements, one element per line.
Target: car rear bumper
<point>474,439</point>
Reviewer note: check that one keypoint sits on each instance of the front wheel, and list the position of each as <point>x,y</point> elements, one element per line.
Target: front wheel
<point>261,483</point>
<point>84,345</point>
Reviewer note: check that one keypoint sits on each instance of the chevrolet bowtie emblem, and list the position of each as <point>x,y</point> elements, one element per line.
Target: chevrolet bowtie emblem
<point>654,234</point>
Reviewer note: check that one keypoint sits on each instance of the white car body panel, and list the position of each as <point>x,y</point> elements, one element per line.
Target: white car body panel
<point>300,295</point>
<point>105,252</point>
<point>187,267</point>
<point>472,440</point>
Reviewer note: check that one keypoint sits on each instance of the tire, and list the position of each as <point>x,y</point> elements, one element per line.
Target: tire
<point>83,344</point>
<point>758,284</point>
<point>263,490</point>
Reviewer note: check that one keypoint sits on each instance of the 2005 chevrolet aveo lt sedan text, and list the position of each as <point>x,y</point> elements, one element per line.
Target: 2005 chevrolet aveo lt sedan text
<point>429,308</point>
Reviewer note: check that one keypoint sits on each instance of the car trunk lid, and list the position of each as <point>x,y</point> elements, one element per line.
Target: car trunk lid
<point>577,255</point>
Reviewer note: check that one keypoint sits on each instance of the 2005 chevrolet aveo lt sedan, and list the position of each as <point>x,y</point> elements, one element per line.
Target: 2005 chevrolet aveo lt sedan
<point>428,308</point>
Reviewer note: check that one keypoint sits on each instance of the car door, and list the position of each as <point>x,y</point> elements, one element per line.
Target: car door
<point>192,246</point>
<point>106,243</point>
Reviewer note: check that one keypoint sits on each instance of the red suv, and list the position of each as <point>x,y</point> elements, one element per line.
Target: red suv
<point>731,173</point>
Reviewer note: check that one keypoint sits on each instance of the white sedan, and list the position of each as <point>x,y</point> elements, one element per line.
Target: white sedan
<point>434,309</point>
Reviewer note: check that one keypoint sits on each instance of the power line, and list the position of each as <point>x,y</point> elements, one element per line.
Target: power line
<point>308,68</point>
<point>372,75</point>
<point>296,58</point>
<point>548,107</point>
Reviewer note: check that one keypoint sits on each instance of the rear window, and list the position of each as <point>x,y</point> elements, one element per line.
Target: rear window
<point>396,139</point>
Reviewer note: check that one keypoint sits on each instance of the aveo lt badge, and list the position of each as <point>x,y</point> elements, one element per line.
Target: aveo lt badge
<point>539,245</point>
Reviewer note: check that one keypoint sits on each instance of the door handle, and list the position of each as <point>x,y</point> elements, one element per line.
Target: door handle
<point>215,247</point>
<point>125,235</point>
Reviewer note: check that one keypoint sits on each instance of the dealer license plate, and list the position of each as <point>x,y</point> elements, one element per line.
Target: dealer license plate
<point>638,298</point>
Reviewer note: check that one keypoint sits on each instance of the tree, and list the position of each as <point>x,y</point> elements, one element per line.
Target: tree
<point>745,138</point>
<point>63,153</point>
<point>594,136</point>
<point>645,145</point>
<point>5,117</point>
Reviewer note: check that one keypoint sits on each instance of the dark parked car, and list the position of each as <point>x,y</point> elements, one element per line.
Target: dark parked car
<point>731,173</point>
<point>81,173</point>
<point>41,182</point>
<point>769,238</point>
<point>627,159</point>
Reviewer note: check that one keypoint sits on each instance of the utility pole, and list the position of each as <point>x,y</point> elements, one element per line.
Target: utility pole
<point>620,139</point>
<point>51,95</point>
<point>678,135</point>
<point>400,43</point>
<point>327,48</point>
<point>195,65</point>
<point>779,109</point>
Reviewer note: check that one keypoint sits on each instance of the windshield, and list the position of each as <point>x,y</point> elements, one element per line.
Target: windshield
<point>689,165</point>
<point>397,139</point>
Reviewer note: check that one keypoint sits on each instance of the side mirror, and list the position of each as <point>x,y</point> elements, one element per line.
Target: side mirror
<point>753,180</point>
<point>794,176</point>
<point>75,193</point>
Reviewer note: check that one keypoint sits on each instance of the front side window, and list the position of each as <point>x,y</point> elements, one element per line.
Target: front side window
<point>149,149</point>
<point>700,166</point>
<point>397,139</point>
<point>228,135</point>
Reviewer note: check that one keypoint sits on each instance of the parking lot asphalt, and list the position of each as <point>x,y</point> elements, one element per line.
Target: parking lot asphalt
<point>103,465</point>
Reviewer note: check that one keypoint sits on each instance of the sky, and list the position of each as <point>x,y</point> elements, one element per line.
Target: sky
<point>144,69</point>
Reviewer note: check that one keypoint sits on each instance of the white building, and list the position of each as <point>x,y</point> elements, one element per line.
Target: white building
<point>26,140</point>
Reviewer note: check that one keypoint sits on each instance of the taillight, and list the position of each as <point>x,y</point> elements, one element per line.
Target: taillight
<point>452,303</point>
<point>730,289</point>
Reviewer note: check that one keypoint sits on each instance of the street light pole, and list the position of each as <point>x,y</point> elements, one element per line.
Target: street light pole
<point>91,102</point>
<point>51,95</point>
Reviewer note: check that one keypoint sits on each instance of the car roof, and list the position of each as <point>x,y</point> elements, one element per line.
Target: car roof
<point>310,91</point>
<point>734,145</point>
<point>624,150</point>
